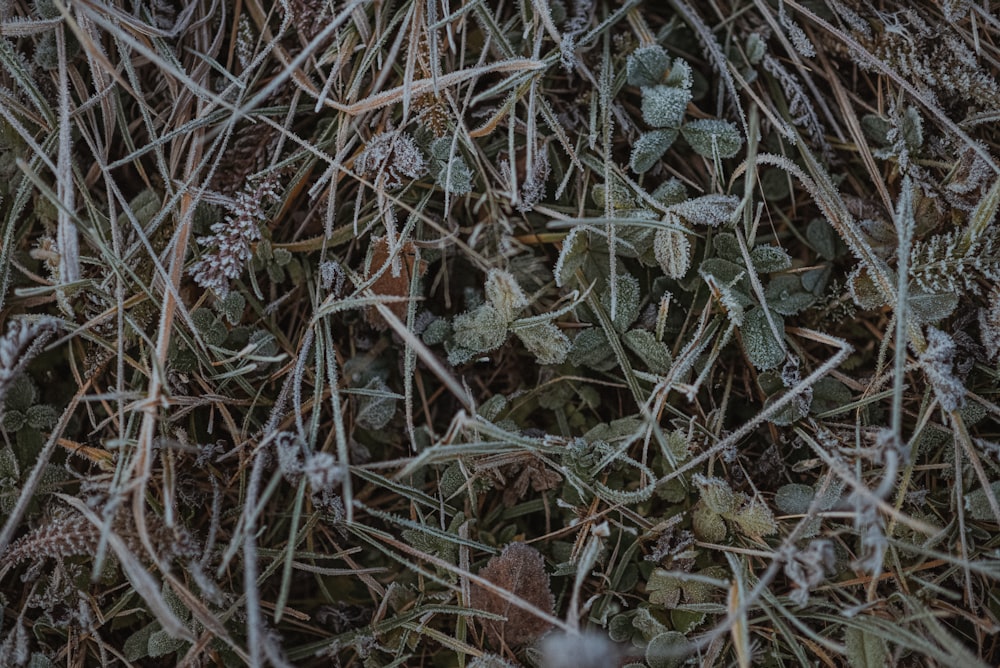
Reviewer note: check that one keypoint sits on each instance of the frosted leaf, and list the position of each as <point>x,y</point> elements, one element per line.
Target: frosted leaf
<point>587,650</point>
<point>680,75</point>
<point>794,498</point>
<point>785,295</point>
<point>710,210</point>
<point>390,159</point>
<point>667,650</point>
<point>647,65</point>
<point>490,661</point>
<point>546,342</point>
<point>519,569</point>
<point>453,173</point>
<point>863,290</point>
<point>989,324</point>
<point>764,351</point>
<point>938,363</point>
<point>717,494</point>
<point>655,354</point>
<point>480,330</point>
<point>865,649</point>
<point>572,256</point>
<point>649,148</point>
<point>503,291</point>
<point>673,252</point>
<point>670,192</point>
<point>436,332</point>
<point>707,524</point>
<point>768,259</point>
<point>591,348</point>
<point>376,410</point>
<point>709,136</point>
<point>926,308</point>
<point>755,48</point>
<point>629,296</point>
<point>978,503</point>
<point>755,519</point>
<point>664,106</point>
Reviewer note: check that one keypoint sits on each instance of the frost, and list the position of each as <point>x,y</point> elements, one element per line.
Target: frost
<point>649,148</point>
<point>710,137</point>
<point>938,363</point>
<point>710,210</point>
<point>647,65</point>
<point>664,106</point>
<point>629,296</point>
<point>758,340</point>
<point>546,342</point>
<point>390,159</point>
<point>481,330</point>
<point>655,354</point>
<point>503,291</point>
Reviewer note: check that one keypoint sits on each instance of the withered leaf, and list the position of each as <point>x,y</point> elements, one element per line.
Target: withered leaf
<point>391,283</point>
<point>520,569</point>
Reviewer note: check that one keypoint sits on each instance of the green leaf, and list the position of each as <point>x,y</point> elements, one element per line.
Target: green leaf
<point>664,106</point>
<point>768,259</point>
<point>794,498</point>
<point>649,148</point>
<point>480,330</point>
<point>709,210</point>
<point>572,256</point>
<point>829,394</point>
<point>785,295</point>
<point>978,503</point>
<point>672,250</point>
<point>667,650</point>
<point>629,296</point>
<point>823,238</point>
<point>591,348</point>
<point>717,494</point>
<point>655,354</point>
<point>646,66</point>
<point>670,192</point>
<point>865,650</point>
<point>13,420</point>
<point>707,524</point>
<point>232,306</point>
<point>927,308</point>
<point>709,137</point>
<point>764,351</point>
<point>42,416</point>
<point>755,519</point>
<point>545,341</point>
<point>504,293</point>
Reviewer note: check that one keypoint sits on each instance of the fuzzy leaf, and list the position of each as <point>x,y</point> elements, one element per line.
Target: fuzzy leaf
<point>978,504</point>
<point>709,136</point>
<point>591,348</point>
<point>520,569</point>
<point>758,340</point>
<point>768,259</point>
<point>707,524</point>
<point>793,498</point>
<point>481,330</point>
<point>655,354</point>
<point>785,295</point>
<point>664,106</point>
<point>822,237</point>
<point>670,192</point>
<point>647,65</point>
<point>572,256</point>
<point>649,148</point>
<point>545,341</point>
<point>673,252</point>
<point>717,494</point>
<point>503,291</point>
<point>629,296</point>
<point>667,650</point>
<point>865,650</point>
<point>710,210</point>
<point>755,519</point>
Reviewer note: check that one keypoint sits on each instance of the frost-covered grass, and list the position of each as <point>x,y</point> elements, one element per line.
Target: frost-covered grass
<point>484,334</point>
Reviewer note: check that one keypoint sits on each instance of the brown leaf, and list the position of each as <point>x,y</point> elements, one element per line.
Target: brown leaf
<point>389,285</point>
<point>520,569</point>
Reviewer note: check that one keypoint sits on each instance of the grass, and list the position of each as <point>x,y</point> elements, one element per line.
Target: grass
<point>490,334</point>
